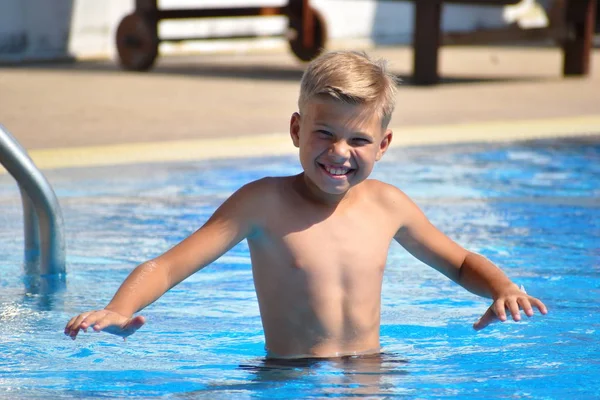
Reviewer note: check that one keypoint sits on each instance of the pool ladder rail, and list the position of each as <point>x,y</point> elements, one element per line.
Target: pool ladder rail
<point>42,216</point>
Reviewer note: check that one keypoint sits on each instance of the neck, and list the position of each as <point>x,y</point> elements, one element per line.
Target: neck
<point>310,192</point>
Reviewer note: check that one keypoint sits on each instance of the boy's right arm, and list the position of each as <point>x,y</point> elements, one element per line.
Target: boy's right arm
<point>233,221</point>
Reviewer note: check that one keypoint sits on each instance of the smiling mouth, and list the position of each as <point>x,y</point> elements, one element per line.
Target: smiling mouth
<point>336,171</point>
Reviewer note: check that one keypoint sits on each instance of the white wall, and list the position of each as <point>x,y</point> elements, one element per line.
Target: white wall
<point>41,29</point>
<point>34,29</point>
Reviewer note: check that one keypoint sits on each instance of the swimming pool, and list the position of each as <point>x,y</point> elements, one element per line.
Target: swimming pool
<point>532,207</point>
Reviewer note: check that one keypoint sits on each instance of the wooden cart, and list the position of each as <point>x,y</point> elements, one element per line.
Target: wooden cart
<point>138,40</point>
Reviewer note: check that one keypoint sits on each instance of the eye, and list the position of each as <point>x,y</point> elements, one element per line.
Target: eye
<point>360,141</point>
<point>324,134</point>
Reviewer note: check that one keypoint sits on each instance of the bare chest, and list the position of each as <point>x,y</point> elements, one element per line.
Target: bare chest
<point>339,247</point>
<point>349,246</point>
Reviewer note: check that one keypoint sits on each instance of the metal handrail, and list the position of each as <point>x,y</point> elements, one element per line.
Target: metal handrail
<point>42,216</point>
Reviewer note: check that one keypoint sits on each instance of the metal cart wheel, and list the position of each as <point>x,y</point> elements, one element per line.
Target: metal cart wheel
<point>137,42</point>
<point>319,36</point>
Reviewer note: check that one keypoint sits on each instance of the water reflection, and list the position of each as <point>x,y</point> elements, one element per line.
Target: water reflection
<point>350,375</point>
<point>372,376</point>
<point>45,290</point>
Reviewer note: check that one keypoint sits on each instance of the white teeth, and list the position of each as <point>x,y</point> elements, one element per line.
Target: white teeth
<point>337,171</point>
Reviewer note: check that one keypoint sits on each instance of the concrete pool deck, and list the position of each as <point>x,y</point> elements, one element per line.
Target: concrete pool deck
<point>224,105</point>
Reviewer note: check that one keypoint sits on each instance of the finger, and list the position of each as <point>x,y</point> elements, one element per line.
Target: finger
<point>513,308</point>
<point>539,305</point>
<point>76,325</point>
<point>108,321</point>
<point>91,319</point>
<point>487,318</point>
<point>526,306</point>
<point>500,310</point>
<point>69,325</point>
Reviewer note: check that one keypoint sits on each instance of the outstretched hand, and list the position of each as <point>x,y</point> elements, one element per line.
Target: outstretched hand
<point>512,301</point>
<point>106,321</point>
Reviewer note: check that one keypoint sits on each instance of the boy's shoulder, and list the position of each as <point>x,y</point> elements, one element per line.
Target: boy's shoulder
<point>385,194</point>
<point>267,184</point>
<point>256,200</point>
<point>382,191</point>
<point>262,191</point>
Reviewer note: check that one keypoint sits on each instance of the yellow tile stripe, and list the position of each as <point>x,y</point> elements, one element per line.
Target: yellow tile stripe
<point>280,144</point>
<point>499,131</point>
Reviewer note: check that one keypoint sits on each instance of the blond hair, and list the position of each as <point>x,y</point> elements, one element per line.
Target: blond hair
<point>353,78</point>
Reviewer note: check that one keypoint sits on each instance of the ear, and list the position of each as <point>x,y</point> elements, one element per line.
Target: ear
<point>384,144</point>
<point>295,129</point>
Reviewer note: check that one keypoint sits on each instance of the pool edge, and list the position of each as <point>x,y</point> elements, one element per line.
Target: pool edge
<point>280,143</point>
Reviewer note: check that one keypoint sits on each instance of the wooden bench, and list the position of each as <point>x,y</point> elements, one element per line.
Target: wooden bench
<point>427,36</point>
<point>137,35</point>
<point>578,24</point>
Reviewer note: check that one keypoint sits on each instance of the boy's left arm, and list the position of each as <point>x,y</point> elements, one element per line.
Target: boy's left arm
<point>470,270</point>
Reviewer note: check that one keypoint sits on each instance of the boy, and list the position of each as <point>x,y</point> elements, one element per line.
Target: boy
<point>319,240</point>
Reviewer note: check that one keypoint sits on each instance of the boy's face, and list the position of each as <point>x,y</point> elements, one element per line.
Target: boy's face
<point>339,145</point>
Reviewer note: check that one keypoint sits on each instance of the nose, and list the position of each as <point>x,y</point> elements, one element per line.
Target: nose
<point>339,150</point>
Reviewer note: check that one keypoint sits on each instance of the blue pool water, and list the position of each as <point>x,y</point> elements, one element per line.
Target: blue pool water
<point>532,207</point>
